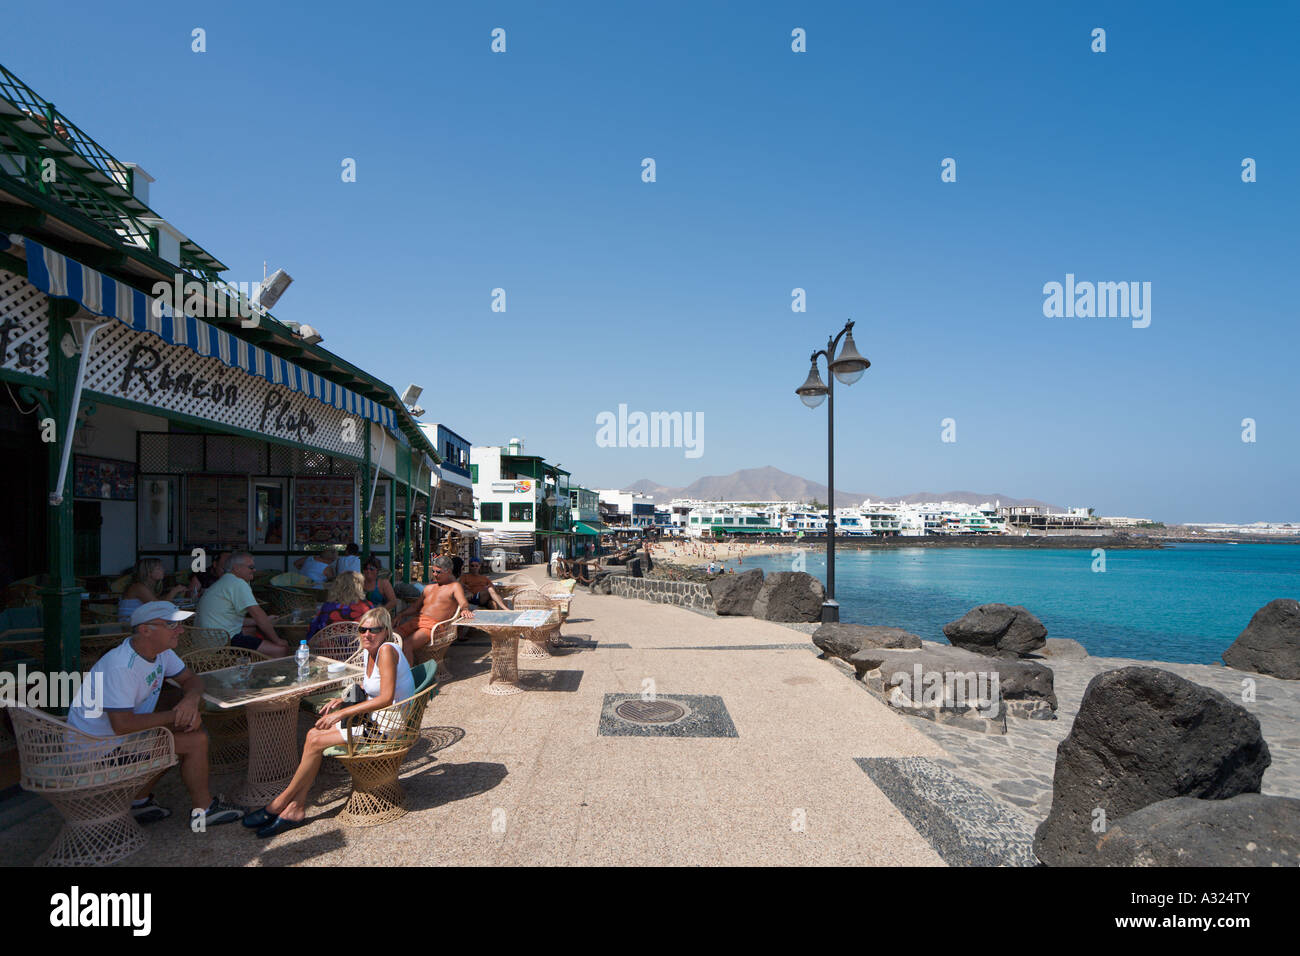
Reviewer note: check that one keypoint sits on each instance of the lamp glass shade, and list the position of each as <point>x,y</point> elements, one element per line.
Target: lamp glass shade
<point>849,365</point>
<point>813,391</point>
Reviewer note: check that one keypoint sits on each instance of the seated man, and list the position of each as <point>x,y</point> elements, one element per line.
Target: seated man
<point>318,568</point>
<point>442,600</point>
<point>350,560</point>
<point>230,606</point>
<point>131,677</point>
<point>478,587</point>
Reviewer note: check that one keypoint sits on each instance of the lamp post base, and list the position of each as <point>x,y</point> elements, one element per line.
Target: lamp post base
<point>830,612</point>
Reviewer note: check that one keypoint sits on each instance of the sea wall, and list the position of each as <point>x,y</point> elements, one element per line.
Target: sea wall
<point>681,593</point>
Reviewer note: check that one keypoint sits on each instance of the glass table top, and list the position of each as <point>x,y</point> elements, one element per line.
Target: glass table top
<point>266,680</point>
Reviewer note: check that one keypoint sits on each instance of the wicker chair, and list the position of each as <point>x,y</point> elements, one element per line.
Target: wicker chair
<point>374,760</point>
<point>561,595</point>
<point>90,781</point>
<point>94,643</point>
<point>286,600</point>
<point>227,729</point>
<point>436,649</point>
<point>338,642</point>
<point>200,639</point>
<point>536,647</point>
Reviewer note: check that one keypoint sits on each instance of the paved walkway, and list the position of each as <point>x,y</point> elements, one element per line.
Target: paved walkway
<point>554,777</point>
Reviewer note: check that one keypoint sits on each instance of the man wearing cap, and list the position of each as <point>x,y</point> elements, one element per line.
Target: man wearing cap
<point>229,606</point>
<point>132,676</point>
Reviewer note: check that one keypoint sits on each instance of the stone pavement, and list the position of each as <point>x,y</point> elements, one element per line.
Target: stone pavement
<point>1017,768</point>
<point>777,759</point>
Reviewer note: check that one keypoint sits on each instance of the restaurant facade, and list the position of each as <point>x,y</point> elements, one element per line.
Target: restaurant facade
<point>140,423</point>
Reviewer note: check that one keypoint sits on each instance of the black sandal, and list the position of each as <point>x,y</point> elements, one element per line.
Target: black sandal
<point>256,819</point>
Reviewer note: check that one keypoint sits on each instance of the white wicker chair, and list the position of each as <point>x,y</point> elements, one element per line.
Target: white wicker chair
<point>536,644</point>
<point>90,781</point>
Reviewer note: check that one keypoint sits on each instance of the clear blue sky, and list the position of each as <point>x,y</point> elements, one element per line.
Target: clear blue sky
<point>775,170</point>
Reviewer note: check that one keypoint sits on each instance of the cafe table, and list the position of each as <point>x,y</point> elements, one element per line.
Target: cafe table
<point>505,628</point>
<point>271,690</point>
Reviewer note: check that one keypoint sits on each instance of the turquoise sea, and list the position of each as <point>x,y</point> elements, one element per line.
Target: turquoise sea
<point>1185,603</point>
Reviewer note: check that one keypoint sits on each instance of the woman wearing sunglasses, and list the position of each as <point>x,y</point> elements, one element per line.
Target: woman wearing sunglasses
<point>387,679</point>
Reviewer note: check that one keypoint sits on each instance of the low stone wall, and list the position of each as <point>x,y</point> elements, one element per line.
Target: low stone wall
<point>680,593</point>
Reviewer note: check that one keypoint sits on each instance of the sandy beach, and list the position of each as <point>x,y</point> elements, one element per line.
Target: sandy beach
<point>700,553</point>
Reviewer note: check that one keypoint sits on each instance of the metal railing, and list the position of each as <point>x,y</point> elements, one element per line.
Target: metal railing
<point>52,156</point>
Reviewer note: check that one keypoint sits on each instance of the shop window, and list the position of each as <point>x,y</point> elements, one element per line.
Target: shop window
<point>522,512</point>
<point>157,512</point>
<point>268,514</point>
<point>490,511</point>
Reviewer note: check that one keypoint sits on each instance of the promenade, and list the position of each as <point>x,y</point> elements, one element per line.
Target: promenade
<point>775,766</point>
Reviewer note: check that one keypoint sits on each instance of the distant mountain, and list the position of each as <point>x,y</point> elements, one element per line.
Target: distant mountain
<point>773,484</point>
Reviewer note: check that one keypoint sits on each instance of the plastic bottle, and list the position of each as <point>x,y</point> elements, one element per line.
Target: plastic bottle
<point>303,656</point>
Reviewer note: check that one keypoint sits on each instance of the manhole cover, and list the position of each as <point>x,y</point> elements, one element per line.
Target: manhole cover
<point>650,711</point>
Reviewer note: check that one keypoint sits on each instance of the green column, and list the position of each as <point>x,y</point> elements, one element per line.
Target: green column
<point>365,494</point>
<point>410,508</point>
<point>60,593</point>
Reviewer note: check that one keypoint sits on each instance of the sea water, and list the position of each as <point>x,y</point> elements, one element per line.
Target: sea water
<point>1184,603</point>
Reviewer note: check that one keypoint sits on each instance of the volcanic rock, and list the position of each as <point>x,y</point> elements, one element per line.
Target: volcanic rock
<point>1270,644</point>
<point>1143,735</point>
<point>998,630</point>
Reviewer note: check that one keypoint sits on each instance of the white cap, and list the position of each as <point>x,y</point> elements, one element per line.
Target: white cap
<point>158,611</point>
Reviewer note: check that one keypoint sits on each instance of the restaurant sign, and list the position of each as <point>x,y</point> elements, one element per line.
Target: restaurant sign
<point>170,378</point>
<point>512,487</point>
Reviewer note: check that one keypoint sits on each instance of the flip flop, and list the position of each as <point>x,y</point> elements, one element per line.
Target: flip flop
<point>255,819</point>
<point>280,825</point>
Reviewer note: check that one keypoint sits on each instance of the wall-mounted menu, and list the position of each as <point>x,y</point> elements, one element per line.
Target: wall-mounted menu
<point>216,510</point>
<point>323,510</point>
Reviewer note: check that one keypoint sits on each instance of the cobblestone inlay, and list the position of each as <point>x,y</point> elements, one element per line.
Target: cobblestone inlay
<point>964,824</point>
<point>706,716</point>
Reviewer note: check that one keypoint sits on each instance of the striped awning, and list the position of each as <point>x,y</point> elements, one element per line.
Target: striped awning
<point>57,275</point>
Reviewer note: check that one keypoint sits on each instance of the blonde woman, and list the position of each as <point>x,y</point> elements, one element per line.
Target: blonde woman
<point>347,602</point>
<point>145,587</point>
<point>387,681</point>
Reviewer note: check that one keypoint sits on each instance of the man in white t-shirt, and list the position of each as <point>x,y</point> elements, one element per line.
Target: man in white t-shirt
<point>350,560</point>
<point>131,677</point>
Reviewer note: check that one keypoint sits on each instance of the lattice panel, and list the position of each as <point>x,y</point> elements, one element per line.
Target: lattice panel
<point>24,318</point>
<point>145,369</point>
<point>170,454</point>
<point>244,456</point>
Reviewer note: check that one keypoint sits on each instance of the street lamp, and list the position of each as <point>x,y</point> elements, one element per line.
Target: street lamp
<point>848,367</point>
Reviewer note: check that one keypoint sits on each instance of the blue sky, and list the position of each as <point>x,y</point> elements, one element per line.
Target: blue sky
<point>775,170</point>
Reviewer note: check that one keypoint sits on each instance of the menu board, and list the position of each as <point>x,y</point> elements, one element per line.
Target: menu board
<point>103,478</point>
<point>323,510</point>
<point>216,510</point>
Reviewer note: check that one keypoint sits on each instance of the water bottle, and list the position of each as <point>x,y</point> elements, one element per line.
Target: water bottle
<point>303,656</point>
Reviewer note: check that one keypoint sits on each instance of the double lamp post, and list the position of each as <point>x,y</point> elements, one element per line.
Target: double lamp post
<point>848,367</point>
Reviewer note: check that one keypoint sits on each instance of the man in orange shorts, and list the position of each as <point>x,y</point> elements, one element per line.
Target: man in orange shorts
<point>441,601</point>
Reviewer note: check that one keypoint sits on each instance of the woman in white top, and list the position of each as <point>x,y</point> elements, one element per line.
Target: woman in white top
<point>387,680</point>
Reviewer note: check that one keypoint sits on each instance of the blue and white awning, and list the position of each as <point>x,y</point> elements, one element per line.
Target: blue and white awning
<point>57,275</point>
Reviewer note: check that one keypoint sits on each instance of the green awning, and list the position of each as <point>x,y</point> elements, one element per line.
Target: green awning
<point>593,530</point>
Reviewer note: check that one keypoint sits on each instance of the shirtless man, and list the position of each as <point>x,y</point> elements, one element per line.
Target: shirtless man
<point>478,587</point>
<point>441,600</point>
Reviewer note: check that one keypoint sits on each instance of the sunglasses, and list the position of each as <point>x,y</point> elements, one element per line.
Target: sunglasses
<point>170,625</point>
<point>379,629</point>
